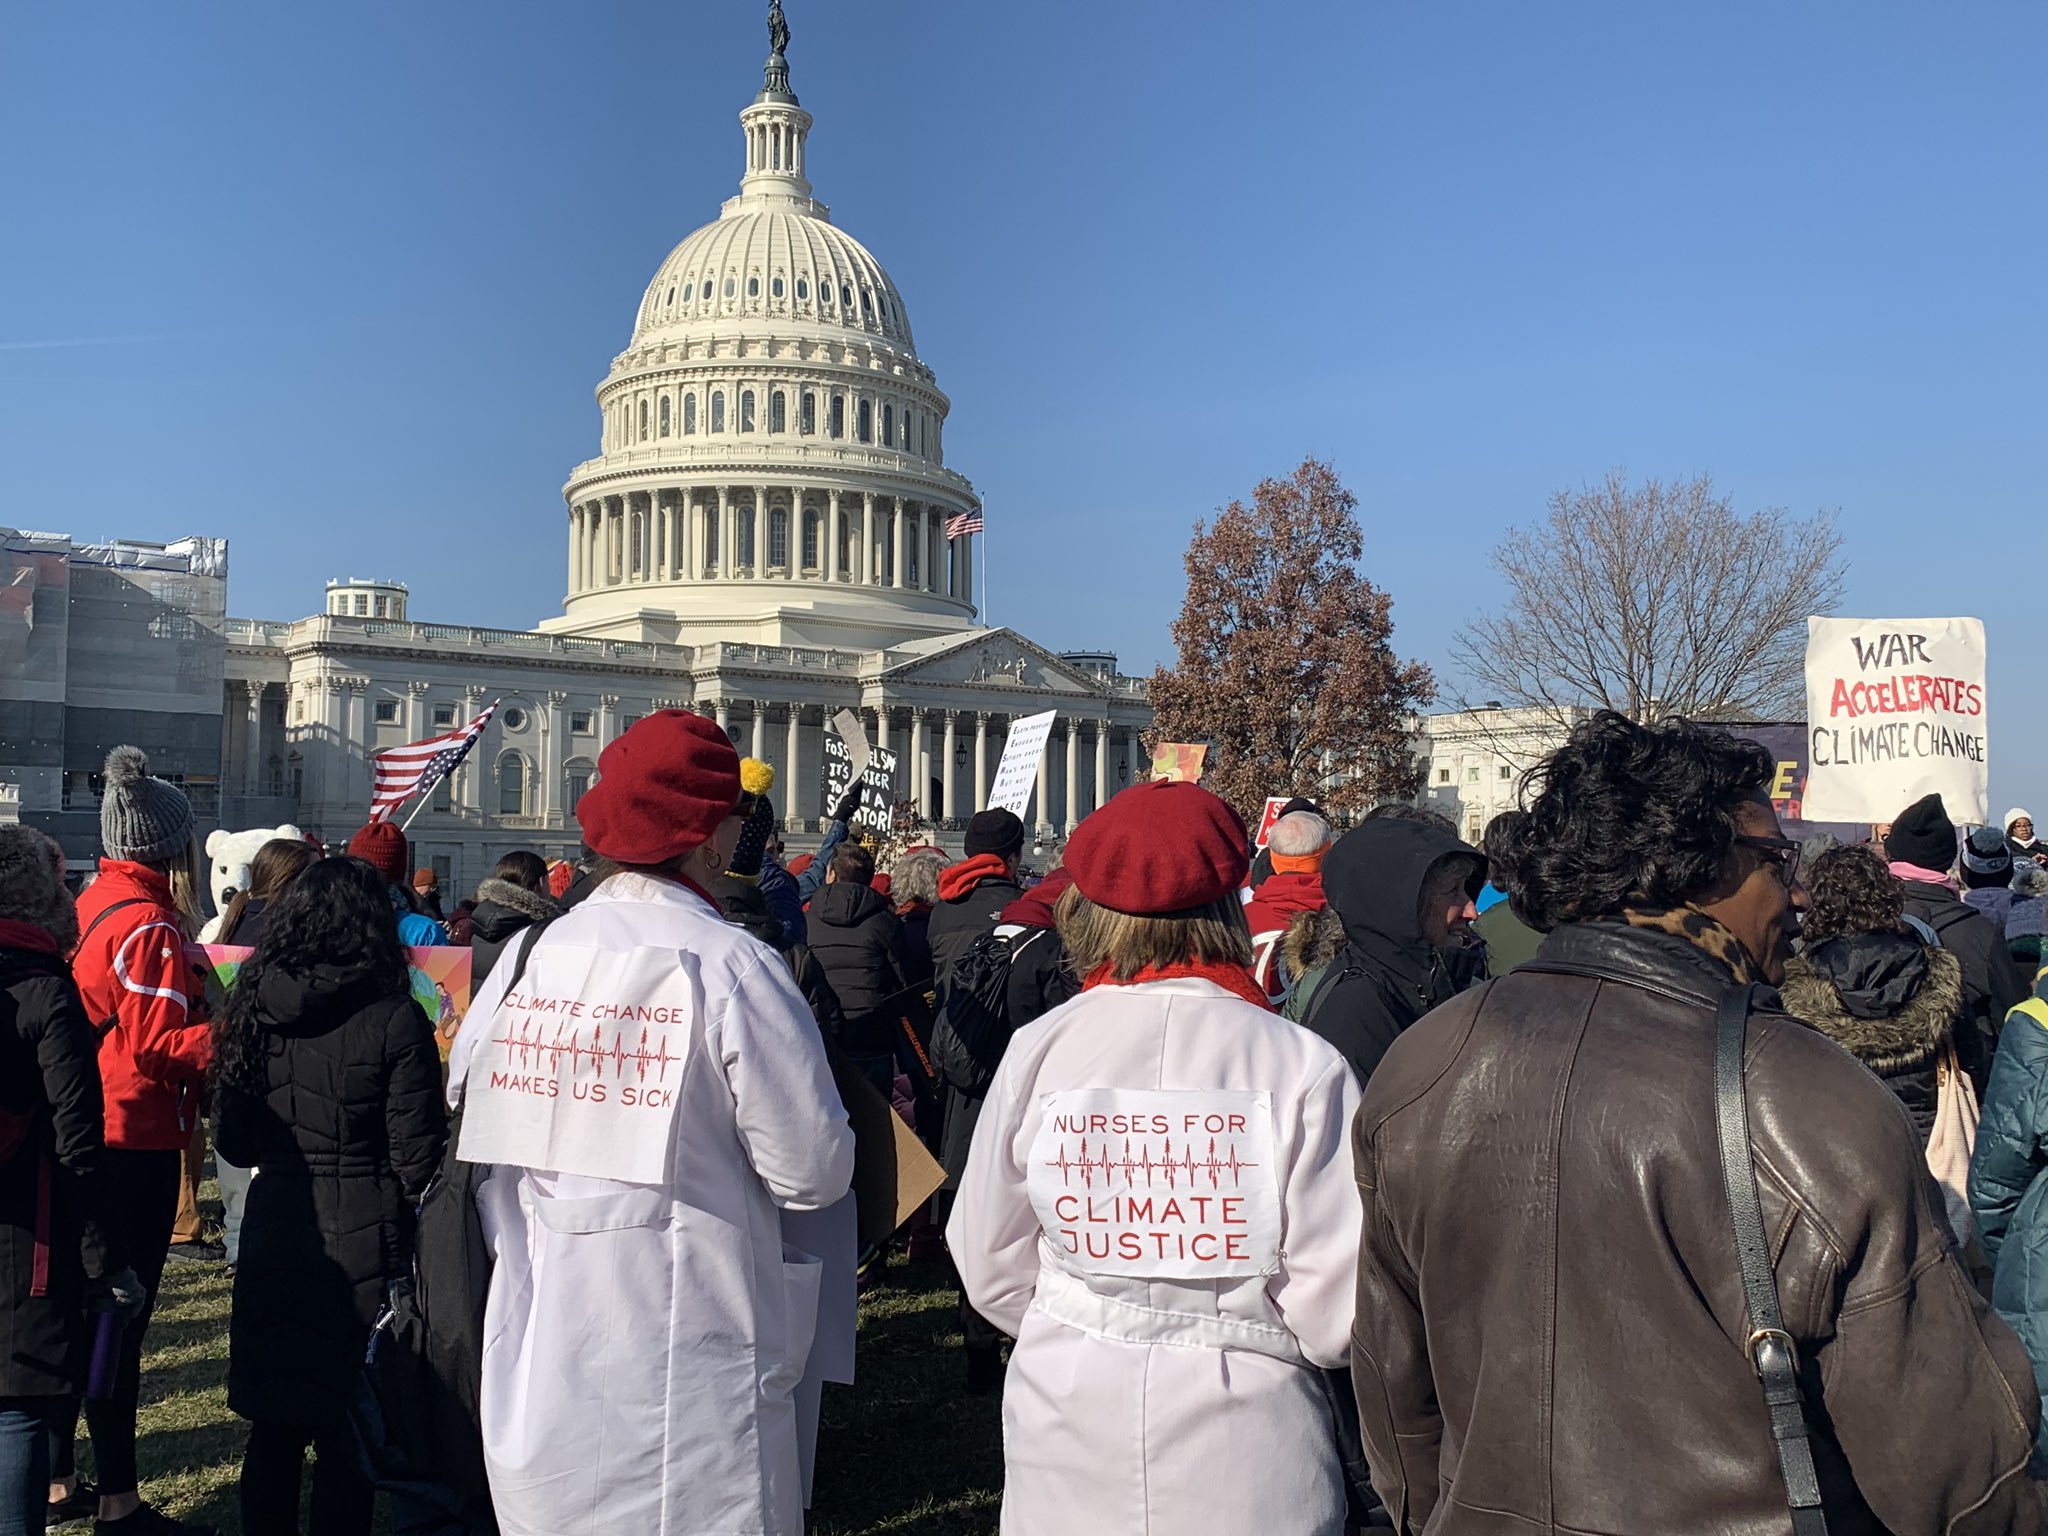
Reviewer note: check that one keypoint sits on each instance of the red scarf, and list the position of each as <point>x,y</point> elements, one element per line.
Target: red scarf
<point>19,935</point>
<point>1234,979</point>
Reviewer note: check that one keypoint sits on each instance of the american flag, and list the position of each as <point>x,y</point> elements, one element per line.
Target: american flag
<point>961,524</point>
<point>402,772</point>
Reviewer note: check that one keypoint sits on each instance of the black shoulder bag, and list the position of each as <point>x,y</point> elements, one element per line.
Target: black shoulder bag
<point>1769,1347</point>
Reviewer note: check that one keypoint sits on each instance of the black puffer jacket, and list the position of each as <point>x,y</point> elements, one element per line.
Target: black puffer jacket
<point>858,938</point>
<point>344,1137</point>
<point>503,912</point>
<point>1387,975</point>
<point>1889,1001</point>
<point>49,1073</point>
<point>972,895</point>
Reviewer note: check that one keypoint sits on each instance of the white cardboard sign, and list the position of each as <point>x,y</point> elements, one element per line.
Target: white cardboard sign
<point>1895,709</point>
<point>1167,1184</point>
<point>1018,770</point>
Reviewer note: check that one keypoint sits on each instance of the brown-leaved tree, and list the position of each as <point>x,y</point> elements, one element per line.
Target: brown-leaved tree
<point>1655,599</point>
<point>1286,659</point>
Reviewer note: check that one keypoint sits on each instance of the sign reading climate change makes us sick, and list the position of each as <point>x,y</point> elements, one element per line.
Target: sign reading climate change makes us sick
<point>1176,1184</point>
<point>1895,710</point>
<point>578,1068</point>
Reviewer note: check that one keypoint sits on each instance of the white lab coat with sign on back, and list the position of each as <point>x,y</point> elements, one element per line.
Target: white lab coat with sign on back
<point>650,1099</point>
<point>1160,1206</point>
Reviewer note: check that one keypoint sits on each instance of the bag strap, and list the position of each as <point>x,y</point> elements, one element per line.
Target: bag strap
<point>1769,1347</point>
<point>526,942</point>
<point>109,911</point>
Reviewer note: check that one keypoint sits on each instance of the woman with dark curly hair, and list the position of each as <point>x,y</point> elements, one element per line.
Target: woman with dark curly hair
<point>1551,1329</point>
<point>1870,984</point>
<point>330,1089</point>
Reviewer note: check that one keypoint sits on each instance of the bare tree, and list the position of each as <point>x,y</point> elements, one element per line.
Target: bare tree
<point>1286,660</point>
<point>1657,599</point>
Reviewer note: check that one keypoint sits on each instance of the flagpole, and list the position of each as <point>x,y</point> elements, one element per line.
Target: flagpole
<point>985,622</point>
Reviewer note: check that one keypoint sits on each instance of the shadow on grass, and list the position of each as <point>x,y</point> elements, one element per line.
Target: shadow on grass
<point>905,1451</point>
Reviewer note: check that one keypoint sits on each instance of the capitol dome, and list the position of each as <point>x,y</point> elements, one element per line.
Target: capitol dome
<point>772,465</point>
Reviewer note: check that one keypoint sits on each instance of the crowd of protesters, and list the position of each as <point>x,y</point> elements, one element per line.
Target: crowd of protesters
<point>1644,1169</point>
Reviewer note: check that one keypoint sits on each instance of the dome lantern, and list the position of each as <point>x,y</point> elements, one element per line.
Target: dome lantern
<point>776,128</point>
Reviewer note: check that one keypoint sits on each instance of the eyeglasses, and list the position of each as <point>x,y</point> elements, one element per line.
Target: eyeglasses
<point>1784,854</point>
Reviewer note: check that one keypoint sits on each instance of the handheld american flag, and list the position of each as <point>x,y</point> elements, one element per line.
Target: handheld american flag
<point>960,524</point>
<point>414,769</point>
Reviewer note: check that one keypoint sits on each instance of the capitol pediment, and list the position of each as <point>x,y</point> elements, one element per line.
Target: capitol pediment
<point>995,659</point>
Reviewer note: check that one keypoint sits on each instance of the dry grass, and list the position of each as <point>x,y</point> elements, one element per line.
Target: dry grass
<point>904,1453</point>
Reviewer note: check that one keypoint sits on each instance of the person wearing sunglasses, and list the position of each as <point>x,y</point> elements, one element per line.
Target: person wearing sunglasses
<point>1553,1328</point>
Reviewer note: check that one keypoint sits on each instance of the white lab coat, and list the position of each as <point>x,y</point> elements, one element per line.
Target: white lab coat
<point>1145,1397</point>
<point>643,1338</point>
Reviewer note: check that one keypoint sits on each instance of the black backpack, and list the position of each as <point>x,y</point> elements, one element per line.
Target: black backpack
<point>973,1028</point>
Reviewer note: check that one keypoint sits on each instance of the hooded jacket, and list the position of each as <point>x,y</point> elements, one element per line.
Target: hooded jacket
<point>1888,1000</point>
<point>1992,984</point>
<point>344,1133</point>
<point>857,937</point>
<point>142,990</point>
<point>503,912</point>
<point>972,895</point>
<point>1387,975</point>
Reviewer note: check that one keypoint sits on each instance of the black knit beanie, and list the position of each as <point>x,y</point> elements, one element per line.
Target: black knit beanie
<point>1923,835</point>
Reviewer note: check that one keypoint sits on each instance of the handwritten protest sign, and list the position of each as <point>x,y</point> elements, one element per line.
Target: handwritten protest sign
<point>1895,709</point>
<point>1174,1184</point>
<point>877,809</point>
<point>1017,773</point>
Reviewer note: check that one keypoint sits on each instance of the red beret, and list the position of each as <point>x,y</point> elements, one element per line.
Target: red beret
<point>381,845</point>
<point>662,789</point>
<point>1158,848</point>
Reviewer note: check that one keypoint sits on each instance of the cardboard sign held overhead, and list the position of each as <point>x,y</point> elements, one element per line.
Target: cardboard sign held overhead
<point>855,735</point>
<point>1270,815</point>
<point>877,809</point>
<point>1179,761</point>
<point>1895,710</point>
<point>1017,773</point>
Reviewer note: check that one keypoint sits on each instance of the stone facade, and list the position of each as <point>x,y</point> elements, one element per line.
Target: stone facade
<point>1474,760</point>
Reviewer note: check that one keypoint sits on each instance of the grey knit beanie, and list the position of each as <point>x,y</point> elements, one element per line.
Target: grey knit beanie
<point>142,819</point>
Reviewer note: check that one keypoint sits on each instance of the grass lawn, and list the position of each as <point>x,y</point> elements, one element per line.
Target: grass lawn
<point>905,1451</point>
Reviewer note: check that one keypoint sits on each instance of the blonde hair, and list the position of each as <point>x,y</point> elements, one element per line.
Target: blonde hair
<point>1096,936</point>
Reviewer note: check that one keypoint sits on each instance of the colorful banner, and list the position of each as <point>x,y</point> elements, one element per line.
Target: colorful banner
<point>1787,745</point>
<point>1895,710</point>
<point>1179,760</point>
<point>1017,772</point>
<point>439,977</point>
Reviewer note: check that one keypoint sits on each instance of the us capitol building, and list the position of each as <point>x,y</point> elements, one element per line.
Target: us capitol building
<point>769,534</point>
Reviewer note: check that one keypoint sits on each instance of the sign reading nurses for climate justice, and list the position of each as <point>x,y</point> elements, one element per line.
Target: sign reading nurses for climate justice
<point>1176,1184</point>
<point>1018,770</point>
<point>1895,710</point>
<point>579,1068</point>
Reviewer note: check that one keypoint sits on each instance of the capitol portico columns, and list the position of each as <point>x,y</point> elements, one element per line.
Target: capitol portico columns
<point>1101,764</point>
<point>980,760</point>
<point>831,561</point>
<point>900,566</point>
<point>759,747</point>
<point>951,807</point>
<point>1073,774</point>
<point>920,781</point>
<point>792,742</point>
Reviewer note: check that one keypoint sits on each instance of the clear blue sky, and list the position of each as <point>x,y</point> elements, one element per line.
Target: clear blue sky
<point>337,282</point>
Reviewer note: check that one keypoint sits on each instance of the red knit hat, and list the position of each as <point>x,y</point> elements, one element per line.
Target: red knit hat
<point>662,789</point>
<point>1158,848</point>
<point>382,846</point>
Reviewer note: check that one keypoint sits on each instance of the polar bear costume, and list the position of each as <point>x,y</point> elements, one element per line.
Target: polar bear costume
<point>227,866</point>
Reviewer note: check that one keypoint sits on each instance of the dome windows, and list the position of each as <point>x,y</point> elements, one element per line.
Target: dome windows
<point>803,288</point>
<point>867,421</point>
<point>810,539</point>
<point>718,410</point>
<point>753,287</point>
<point>689,415</point>
<point>729,287</point>
<point>807,415</point>
<point>867,304</point>
<point>746,410</point>
<point>671,299</point>
<point>664,415</point>
<point>845,297</point>
<point>778,412</point>
<point>888,426</point>
<point>778,537</point>
<point>775,288</point>
<point>838,416</point>
<point>643,421</point>
<point>707,287</point>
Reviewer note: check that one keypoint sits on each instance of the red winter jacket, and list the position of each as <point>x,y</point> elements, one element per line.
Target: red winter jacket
<point>1275,905</point>
<point>136,970</point>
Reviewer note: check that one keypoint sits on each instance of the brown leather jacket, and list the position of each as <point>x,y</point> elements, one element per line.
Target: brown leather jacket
<point>1550,1320</point>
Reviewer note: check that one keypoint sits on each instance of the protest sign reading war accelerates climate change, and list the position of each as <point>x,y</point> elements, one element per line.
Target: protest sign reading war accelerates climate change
<point>1895,710</point>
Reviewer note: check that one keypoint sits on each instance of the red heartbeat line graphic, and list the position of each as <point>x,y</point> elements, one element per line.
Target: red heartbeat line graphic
<point>1187,1165</point>
<point>532,1047</point>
